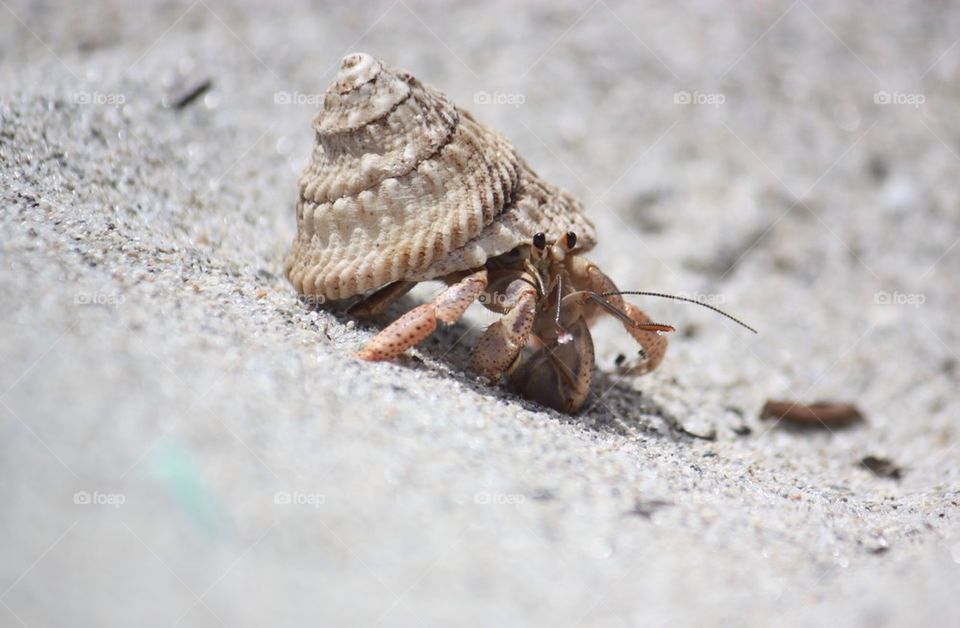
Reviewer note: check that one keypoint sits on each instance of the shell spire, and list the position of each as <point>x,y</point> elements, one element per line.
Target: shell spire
<point>403,185</point>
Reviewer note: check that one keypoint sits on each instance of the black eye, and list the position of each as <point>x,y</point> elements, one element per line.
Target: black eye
<point>540,240</point>
<point>571,240</point>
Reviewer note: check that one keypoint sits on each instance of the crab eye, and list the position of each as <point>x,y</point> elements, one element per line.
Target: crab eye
<point>540,241</point>
<point>571,240</point>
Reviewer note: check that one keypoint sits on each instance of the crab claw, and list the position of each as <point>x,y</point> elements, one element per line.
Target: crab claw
<point>558,375</point>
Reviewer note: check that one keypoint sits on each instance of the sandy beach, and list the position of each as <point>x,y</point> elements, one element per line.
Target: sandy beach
<point>186,443</point>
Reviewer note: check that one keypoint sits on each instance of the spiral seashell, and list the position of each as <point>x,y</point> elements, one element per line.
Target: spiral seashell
<point>404,185</point>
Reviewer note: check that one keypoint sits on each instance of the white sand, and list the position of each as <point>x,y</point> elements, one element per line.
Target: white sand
<point>156,362</point>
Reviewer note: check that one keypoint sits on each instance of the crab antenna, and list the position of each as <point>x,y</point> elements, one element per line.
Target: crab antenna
<point>676,298</point>
<point>623,316</point>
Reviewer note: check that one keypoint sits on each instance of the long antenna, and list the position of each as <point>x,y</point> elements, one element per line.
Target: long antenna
<point>676,298</point>
<point>623,316</point>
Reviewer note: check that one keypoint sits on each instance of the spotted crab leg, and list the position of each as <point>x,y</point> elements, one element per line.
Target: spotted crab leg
<point>594,282</point>
<point>421,321</point>
<point>500,345</point>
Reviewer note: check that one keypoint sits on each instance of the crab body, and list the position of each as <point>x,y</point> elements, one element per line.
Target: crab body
<point>547,295</point>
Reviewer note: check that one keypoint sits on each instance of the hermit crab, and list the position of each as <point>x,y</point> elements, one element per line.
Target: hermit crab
<point>404,187</point>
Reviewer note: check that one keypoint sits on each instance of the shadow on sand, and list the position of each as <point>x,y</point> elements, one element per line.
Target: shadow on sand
<point>613,407</point>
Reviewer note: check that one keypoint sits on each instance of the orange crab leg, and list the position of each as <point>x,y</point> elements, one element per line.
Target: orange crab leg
<point>421,321</point>
<point>500,345</point>
<point>643,329</point>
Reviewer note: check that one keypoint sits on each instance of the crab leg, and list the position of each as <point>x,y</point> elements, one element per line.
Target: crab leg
<point>421,321</point>
<point>558,374</point>
<point>501,343</point>
<point>593,280</point>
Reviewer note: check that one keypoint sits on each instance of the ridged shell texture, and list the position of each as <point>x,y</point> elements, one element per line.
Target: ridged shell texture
<point>404,185</point>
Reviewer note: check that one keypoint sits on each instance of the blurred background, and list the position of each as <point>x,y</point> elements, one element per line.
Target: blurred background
<point>185,443</point>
